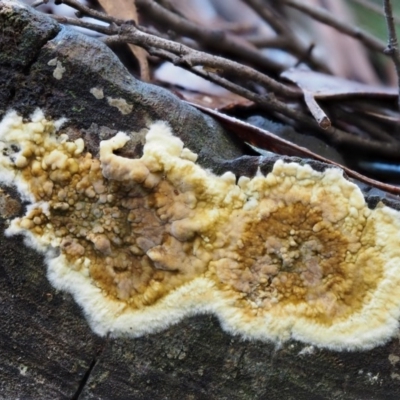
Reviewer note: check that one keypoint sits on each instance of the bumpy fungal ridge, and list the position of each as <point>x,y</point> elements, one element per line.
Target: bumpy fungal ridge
<point>140,243</point>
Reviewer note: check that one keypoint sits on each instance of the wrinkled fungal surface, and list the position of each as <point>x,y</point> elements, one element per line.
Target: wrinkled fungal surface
<point>141,243</point>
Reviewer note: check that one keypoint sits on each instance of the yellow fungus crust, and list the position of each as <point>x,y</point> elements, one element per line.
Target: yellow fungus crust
<point>141,243</point>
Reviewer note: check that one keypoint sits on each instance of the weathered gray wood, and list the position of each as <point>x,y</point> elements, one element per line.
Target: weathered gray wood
<point>47,349</point>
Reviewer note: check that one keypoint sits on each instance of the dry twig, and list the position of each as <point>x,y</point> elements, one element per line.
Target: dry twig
<point>393,46</point>
<point>287,39</point>
<point>213,39</point>
<point>268,93</point>
<point>188,57</point>
<point>327,18</point>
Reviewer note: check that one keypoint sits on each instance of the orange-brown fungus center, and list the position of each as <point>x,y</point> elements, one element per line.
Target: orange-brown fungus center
<point>113,224</point>
<point>283,261</point>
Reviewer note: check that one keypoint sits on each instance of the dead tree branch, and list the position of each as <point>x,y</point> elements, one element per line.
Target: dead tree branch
<point>269,94</point>
<point>325,17</point>
<point>393,46</point>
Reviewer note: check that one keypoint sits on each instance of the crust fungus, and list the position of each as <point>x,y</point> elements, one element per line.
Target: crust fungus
<point>141,243</point>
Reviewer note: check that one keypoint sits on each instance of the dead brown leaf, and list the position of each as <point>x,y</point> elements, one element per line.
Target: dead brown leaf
<point>316,85</point>
<point>126,9</point>
<point>266,140</point>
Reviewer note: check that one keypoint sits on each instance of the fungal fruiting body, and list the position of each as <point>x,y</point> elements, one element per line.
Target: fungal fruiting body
<point>141,243</point>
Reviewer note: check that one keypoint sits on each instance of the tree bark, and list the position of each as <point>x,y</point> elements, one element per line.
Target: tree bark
<point>47,348</point>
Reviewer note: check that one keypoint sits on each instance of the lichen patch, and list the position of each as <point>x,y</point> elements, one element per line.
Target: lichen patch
<point>121,104</point>
<point>97,93</point>
<point>59,70</point>
<point>141,243</point>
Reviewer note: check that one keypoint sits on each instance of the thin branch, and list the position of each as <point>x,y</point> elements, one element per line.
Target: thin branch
<point>350,116</point>
<point>90,12</point>
<point>268,15</point>
<point>213,39</point>
<point>291,42</point>
<point>106,30</point>
<point>393,46</point>
<point>271,103</point>
<point>321,15</point>
<point>38,3</point>
<point>189,57</point>
<point>216,39</point>
<point>262,41</point>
